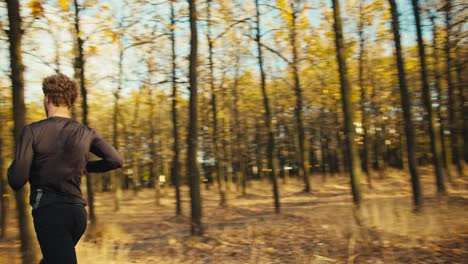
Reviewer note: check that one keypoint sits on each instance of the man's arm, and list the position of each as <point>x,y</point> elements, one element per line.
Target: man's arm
<point>18,173</point>
<point>110,158</point>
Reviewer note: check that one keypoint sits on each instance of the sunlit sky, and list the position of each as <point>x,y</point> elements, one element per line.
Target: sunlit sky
<point>104,64</point>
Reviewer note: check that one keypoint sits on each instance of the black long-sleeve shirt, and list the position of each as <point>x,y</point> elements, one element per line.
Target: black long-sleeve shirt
<point>53,155</point>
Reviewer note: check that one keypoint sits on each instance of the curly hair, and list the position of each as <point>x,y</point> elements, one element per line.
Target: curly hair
<point>60,89</point>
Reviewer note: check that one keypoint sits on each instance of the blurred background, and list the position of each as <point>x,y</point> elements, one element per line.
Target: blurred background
<point>285,131</point>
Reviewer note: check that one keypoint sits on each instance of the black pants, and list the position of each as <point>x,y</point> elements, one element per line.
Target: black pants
<point>59,227</point>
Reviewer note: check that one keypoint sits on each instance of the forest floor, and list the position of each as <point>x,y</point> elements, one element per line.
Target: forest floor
<point>318,227</point>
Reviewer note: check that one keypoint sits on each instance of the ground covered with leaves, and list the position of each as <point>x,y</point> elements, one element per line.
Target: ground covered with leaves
<point>318,227</point>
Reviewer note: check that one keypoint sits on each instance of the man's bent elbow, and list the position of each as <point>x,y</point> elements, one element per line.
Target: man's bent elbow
<point>118,162</point>
<point>14,183</point>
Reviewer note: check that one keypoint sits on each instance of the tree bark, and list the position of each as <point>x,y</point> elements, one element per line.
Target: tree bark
<point>406,105</point>
<point>351,150</point>
<point>4,200</point>
<point>451,105</point>
<point>215,136</point>
<point>366,143</point>
<point>303,160</point>
<point>80,66</point>
<point>29,248</point>
<point>433,133</point>
<point>437,77</point>
<point>239,147</point>
<point>175,172</point>
<point>153,148</point>
<point>192,138</point>
<point>116,177</point>
<point>266,106</point>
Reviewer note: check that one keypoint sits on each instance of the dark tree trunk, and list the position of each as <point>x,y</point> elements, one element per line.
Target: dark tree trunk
<point>303,161</point>
<point>192,138</point>
<point>351,150</point>
<point>219,168</point>
<point>4,200</point>
<point>80,66</point>
<point>116,178</point>
<point>445,156</point>
<point>76,71</point>
<point>463,107</point>
<point>268,123</point>
<point>238,134</point>
<point>29,249</point>
<point>365,145</point>
<point>175,173</point>
<point>153,148</point>
<point>406,105</point>
<point>433,133</point>
<point>451,105</point>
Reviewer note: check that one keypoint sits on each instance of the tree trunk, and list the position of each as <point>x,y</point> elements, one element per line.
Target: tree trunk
<point>238,134</point>
<point>80,66</point>
<point>153,150</point>
<point>216,151</point>
<point>445,156</point>
<point>136,140</point>
<point>116,175</point>
<point>29,248</point>
<point>451,105</point>
<point>351,150</point>
<point>433,133</point>
<point>268,123</point>
<point>406,105</point>
<point>366,143</point>
<point>303,160</point>
<point>192,138</point>
<point>463,107</point>
<point>175,172</point>
<point>4,200</point>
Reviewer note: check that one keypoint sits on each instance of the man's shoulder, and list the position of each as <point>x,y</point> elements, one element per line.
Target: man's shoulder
<point>50,121</point>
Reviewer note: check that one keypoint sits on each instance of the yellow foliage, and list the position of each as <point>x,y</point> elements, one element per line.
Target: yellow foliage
<point>92,50</point>
<point>64,4</point>
<point>113,35</point>
<point>285,11</point>
<point>36,8</point>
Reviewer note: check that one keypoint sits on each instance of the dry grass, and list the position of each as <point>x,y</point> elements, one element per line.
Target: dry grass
<point>321,227</point>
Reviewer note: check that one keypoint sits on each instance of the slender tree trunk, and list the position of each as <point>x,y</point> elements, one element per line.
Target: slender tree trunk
<point>463,107</point>
<point>433,133</point>
<point>268,123</point>
<point>216,149</point>
<point>175,130</point>
<point>365,136</point>
<point>259,149</point>
<point>76,71</point>
<point>406,105</point>
<point>29,248</point>
<point>351,150</point>
<point>116,175</point>
<point>451,105</point>
<point>303,160</point>
<point>4,200</point>
<point>80,66</point>
<point>377,141</point>
<point>136,140</point>
<point>192,139</point>
<point>153,150</point>
<point>445,156</point>
<point>339,157</point>
<point>239,136</point>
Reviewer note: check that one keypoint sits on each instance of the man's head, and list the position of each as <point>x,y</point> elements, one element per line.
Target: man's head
<point>59,91</point>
